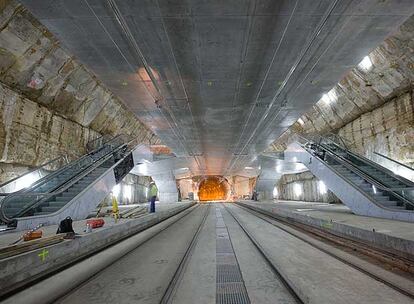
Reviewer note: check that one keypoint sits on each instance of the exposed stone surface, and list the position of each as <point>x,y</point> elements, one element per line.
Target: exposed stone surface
<point>373,107</point>
<point>310,189</point>
<point>30,134</point>
<point>50,104</point>
<point>388,130</point>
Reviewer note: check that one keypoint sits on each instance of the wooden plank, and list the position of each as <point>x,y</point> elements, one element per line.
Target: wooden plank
<point>12,250</point>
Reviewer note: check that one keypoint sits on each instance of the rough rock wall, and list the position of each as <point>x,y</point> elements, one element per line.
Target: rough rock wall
<point>311,190</point>
<point>50,103</point>
<point>30,134</point>
<point>386,85</point>
<point>388,130</point>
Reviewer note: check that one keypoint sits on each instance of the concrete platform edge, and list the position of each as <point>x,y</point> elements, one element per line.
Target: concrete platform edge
<point>22,269</point>
<point>401,247</point>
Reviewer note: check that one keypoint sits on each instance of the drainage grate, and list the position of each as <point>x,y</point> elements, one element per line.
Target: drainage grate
<point>230,293</point>
<point>229,281</point>
<point>224,258</point>
<point>228,273</point>
<point>223,246</point>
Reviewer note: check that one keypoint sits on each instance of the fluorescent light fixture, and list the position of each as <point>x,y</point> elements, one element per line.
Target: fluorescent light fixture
<point>301,122</point>
<point>374,189</point>
<point>366,63</point>
<point>322,188</point>
<point>329,97</point>
<point>275,192</point>
<point>248,168</point>
<point>297,189</point>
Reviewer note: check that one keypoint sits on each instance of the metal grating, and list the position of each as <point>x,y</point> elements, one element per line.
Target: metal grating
<point>230,288</point>
<point>227,273</point>
<point>231,293</point>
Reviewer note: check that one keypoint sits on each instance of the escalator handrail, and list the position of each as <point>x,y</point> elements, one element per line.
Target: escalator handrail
<point>379,167</point>
<point>62,188</point>
<point>65,157</point>
<point>48,177</point>
<point>362,174</point>
<point>66,186</point>
<point>393,160</point>
<point>366,177</point>
<point>363,159</point>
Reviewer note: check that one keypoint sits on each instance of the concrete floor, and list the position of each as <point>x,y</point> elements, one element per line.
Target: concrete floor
<point>142,276</point>
<point>342,214</point>
<point>8,237</point>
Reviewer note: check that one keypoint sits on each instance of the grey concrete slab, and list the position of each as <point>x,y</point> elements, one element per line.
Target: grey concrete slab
<point>21,269</point>
<point>198,284</point>
<point>144,274</point>
<point>6,238</point>
<point>262,284</point>
<point>384,233</point>
<point>320,277</point>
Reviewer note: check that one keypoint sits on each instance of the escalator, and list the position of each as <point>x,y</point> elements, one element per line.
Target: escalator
<point>68,188</point>
<point>366,187</point>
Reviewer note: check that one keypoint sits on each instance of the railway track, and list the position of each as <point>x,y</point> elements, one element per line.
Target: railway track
<point>175,280</point>
<point>325,243</point>
<point>296,294</point>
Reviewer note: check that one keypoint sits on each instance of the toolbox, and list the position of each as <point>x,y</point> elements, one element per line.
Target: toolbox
<point>95,223</point>
<point>32,235</point>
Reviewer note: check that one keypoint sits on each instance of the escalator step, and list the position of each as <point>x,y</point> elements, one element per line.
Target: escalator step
<point>49,209</point>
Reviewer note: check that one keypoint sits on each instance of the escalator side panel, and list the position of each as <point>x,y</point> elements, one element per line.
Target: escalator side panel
<point>350,195</point>
<point>80,206</point>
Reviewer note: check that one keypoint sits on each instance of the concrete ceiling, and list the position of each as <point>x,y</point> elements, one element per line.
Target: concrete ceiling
<point>232,75</point>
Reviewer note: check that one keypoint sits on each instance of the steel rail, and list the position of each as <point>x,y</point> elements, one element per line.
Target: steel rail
<point>296,294</point>
<point>282,225</point>
<point>176,279</point>
<point>180,215</point>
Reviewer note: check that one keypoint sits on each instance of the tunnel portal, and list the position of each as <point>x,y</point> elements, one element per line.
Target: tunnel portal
<point>213,188</point>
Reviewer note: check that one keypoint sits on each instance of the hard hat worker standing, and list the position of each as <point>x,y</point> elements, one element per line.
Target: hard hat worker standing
<point>152,204</point>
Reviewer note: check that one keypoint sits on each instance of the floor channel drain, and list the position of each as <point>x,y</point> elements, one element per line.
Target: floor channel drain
<point>230,286</point>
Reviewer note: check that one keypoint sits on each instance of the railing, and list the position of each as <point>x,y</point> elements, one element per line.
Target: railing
<point>398,192</point>
<point>394,161</point>
<point>39,198</point>
<point>36,194</point>
<point>10,185</point>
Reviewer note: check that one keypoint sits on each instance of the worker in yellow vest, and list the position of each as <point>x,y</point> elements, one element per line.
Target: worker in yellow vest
<point>115,209</point>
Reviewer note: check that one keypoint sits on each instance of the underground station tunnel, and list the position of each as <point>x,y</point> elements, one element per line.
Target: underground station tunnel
<point>207,151</point>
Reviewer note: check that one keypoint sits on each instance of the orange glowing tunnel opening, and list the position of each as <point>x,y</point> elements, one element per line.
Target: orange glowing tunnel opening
<point>213,188</point>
